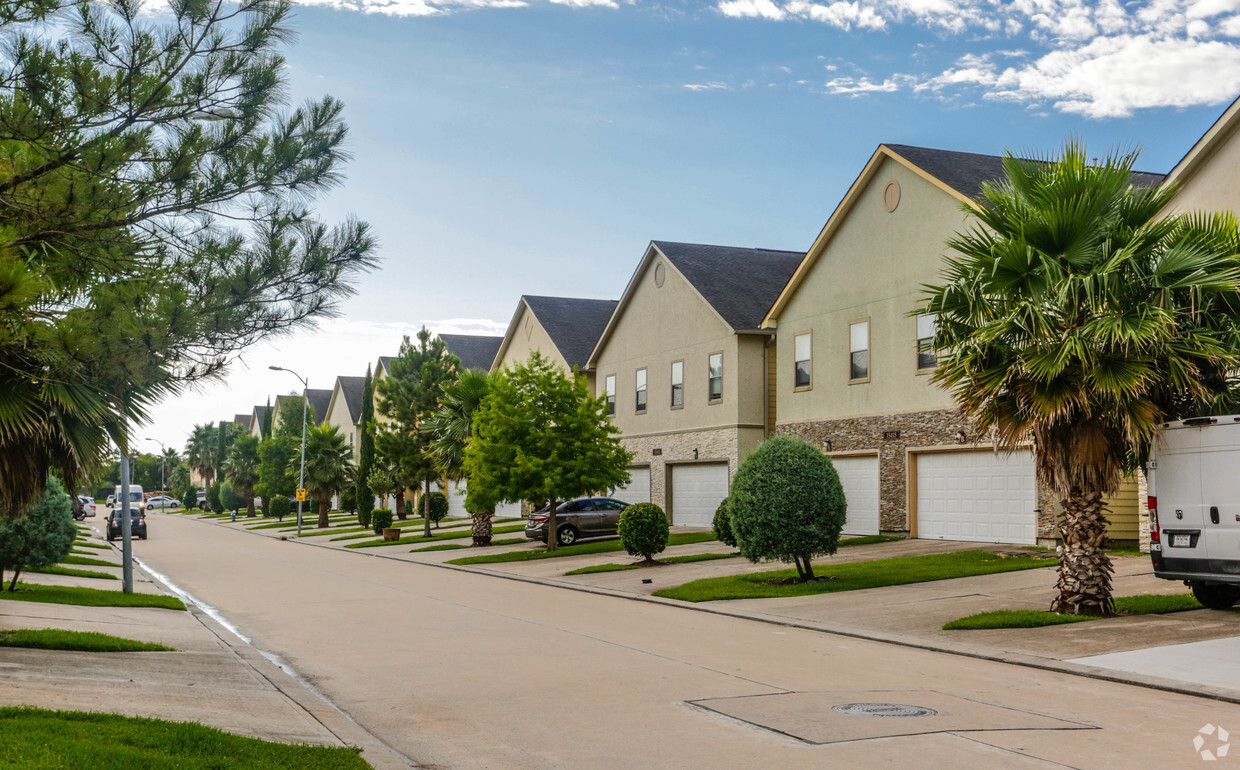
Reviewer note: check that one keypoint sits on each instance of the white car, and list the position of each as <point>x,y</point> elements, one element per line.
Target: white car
<point>162,501</point>
<point>88,505</point>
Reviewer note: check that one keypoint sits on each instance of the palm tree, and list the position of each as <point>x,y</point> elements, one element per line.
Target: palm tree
<point>328,466</point>
<point>241,468</point>
<point>1074,315</point>
<point>451,426</point>
<point>200,452</point>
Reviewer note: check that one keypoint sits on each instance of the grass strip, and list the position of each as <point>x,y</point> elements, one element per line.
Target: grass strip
<point>441,536</point>
<point>454,546</point>
<point>86,562</point>
<point>363,532</point>
<point>66,740</point>
<point>854,576</point>
<point>88,597</point>
<point>1141,604</point>
<point>669,560</point>
<point>96,546</point>
<point>56,569</point>
<point>81,641</point>
<point>604,546</point>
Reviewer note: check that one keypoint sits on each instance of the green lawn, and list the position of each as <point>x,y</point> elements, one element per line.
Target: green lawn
<point>361,533</point>
<point>450,535</point>
<point>82,641</point>
<point>602,546</point>
<point>88,597</point>
<point>70,740</point>
<point>70,572</point>
<point>1141,604</point>
<point>853,576</point>
<point>96,546</point>
<point>454,546</point>
<point>669,560</point>
<point>87,562</point>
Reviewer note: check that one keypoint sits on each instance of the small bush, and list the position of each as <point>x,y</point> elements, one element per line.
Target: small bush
<point>364,515</point>
<point>266,506</point>
<point>214,502</point>
<point>381,519</point>
<point>348,499</point>
<point>279,506</point>
<point>722,525</point>
<point>230,499</point>
<point>643,530</point>
<point>438,503</point>
<point>189,497</point>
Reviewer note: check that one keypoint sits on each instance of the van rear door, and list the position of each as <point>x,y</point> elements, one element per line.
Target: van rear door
<point>1220,494</point>
<point>1177,478</point>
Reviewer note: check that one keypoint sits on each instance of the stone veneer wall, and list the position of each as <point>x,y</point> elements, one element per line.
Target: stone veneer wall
<point>718,445</point>
<point>916,429</point>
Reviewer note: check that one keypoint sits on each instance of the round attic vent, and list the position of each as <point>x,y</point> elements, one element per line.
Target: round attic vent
<point>891,195</point>
<point>660,275</point>
<point>883,710</point>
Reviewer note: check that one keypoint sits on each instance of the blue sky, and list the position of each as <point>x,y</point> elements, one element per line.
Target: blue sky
<point>537,149</point>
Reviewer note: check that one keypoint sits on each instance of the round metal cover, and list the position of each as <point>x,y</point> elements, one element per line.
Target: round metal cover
<point>884,710</point>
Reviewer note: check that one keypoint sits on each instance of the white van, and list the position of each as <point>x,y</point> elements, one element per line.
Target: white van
<point>136,500</point>
<point>1194,488</point>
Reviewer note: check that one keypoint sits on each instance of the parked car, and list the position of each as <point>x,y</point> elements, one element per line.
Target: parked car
<point>137,525</point>
<point>577,519</point>
<point>1194,501</point>
<point>111,501</point>
<point>83,506</point>
<point>136,498</point>
<point>162,501</point>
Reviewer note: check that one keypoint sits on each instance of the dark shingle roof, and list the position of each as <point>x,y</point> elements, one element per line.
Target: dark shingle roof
<point>475,351</point>
<point>319,399</point>
<point>260,414</point>
<point>242,420</point>
<point>574,325</point>
<point>741,284</point>
<point>966,172</point>
<point>351,389</point>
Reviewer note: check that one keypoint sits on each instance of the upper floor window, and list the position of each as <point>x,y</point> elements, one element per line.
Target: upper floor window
<point>714,366</point>
<point>859,350</point>
<point>927,327</point>
<point>610,387</point>
<point>678,384</point>
<point>641,391</point>
<point>802,345</point>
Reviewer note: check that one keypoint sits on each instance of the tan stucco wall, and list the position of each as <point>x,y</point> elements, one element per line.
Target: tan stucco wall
<point>338,416</point>
<point>670,323</point>
<point>873,268</point>
<point>1215,184</point>
<point>528,335</point>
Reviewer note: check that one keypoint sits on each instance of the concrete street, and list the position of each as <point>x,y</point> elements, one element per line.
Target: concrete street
<point>456,669</point>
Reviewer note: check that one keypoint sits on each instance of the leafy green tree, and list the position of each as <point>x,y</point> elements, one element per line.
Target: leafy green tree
<point>451,428</point>
<point>382,484</point>
<point>329,464</point>
<point>279,506</point>
<point>1074,313</point>
<point>643,530</point>
<point>230,499</point>
<point>157,196</point>
<point>241,468</point>
<point>215,502</point>
<point>366,450</point>
<point>178,481</point>
<point>200,452</point>
<point>277,472</point>
<point>42,536</point>
<point>145,469</point>
<point>437,506</point>
<point>409,397</point>
<point>541,435</point>
<point>787,503</point>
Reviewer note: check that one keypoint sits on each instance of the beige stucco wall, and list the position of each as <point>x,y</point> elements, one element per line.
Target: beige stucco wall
<point>528,335</point>
<point>1215,184</point>
<point>873,268</point>
<point>338,416</point>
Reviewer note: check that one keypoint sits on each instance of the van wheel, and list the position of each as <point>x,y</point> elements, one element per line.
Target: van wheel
<point>1216,597</point>
<point>566,536</point>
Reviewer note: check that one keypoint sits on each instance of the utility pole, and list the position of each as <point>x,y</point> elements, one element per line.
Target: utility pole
<point>126,539</point>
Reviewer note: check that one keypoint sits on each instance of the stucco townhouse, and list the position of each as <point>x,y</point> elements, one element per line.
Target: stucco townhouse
<point>344,411</point>
<point>562,329</point>
<point>318,399</point>
<point>854,368</point>
<point>684,366</point>
<point>257,415</point>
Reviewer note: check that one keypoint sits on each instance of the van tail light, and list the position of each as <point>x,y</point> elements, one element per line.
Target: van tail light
<point>1153,505</point>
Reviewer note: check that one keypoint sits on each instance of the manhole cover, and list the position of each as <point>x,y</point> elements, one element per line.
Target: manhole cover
<point>883,710</point>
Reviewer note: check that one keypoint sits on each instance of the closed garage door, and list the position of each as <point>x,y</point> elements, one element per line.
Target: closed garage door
<point>638,488</point>
<point>983,497</point>
<point>456,504</point>
<point>697,491</point>
<point>859,477</point>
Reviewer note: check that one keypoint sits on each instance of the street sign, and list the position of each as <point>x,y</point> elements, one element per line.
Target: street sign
<point>301,495</point>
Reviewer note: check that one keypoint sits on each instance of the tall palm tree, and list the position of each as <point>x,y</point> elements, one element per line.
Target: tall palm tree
<point>241,468</point>
<point>451,427</point>
<point>1073,314</point>
<point>200,452</point>
<point>329,466</point>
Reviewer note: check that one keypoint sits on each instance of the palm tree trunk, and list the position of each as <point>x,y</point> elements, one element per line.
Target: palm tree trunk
<point>482,528</point>
<point>325,507</point>
<point>400,504</point>
<point>1084,568</point>
<point>249,506</point>
<point>426,510</point>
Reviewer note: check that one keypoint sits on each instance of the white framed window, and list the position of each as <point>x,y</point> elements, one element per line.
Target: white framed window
<point>927,328</point>
<point>859,351</point>
<point>678,384</point>
<point>802,354</point>
<point>714,377</point>
<point>610,387</point>
<point>640,392</point>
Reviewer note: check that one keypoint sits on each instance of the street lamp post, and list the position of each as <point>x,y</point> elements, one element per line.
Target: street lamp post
<point>305,402</point>
<point>163,457</point>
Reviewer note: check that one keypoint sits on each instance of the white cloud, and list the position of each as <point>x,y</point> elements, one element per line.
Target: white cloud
<point>711,86</point>
<point>858,86</point>
<point>751,9</point>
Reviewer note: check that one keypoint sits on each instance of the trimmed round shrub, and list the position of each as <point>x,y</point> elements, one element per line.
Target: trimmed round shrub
<point>643,530</point>
<point>279,506</point>
<point>787,504</point>
<point>438,506</point>
<point>722,525</point>
<point>364,515</point>
<point>381,519</point>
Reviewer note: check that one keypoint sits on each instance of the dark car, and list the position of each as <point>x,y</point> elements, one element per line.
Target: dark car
<point>577,519</point>
<point>137,524</point>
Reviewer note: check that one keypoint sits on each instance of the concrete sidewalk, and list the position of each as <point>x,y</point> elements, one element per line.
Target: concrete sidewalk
<point>214,677</point>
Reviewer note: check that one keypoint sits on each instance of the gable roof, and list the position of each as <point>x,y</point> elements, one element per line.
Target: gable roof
<point>350,389</point>
<point>1206,146</point>
<point>572,323</point>
<point>385,363</point>
<point>475,351</point>
<point>319,399</point>
<point>242,420</point>
<point>959,174</point>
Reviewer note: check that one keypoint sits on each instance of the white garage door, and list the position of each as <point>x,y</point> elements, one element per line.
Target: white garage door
<point>638,488</point>
<point>859,477</point>
<point>983,496</point>
<point>456,504</point>
<point>697,491</point>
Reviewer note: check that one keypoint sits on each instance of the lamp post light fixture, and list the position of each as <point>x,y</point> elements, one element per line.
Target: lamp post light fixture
<point>305,402</point>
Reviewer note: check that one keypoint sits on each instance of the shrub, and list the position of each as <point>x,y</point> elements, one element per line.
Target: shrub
<point>348,498</point>
<point>643,530</point>
<point>438,503</point>
<point>213,498</point>
<point>266,506</point>
<point>279,506</point>
<point>189,497</point>
<point>787,504</point>
<point>229,498</point>
<point>722,525</point>
<point>381,519</point>
<point>39,538</point>
<point>364,515</point>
